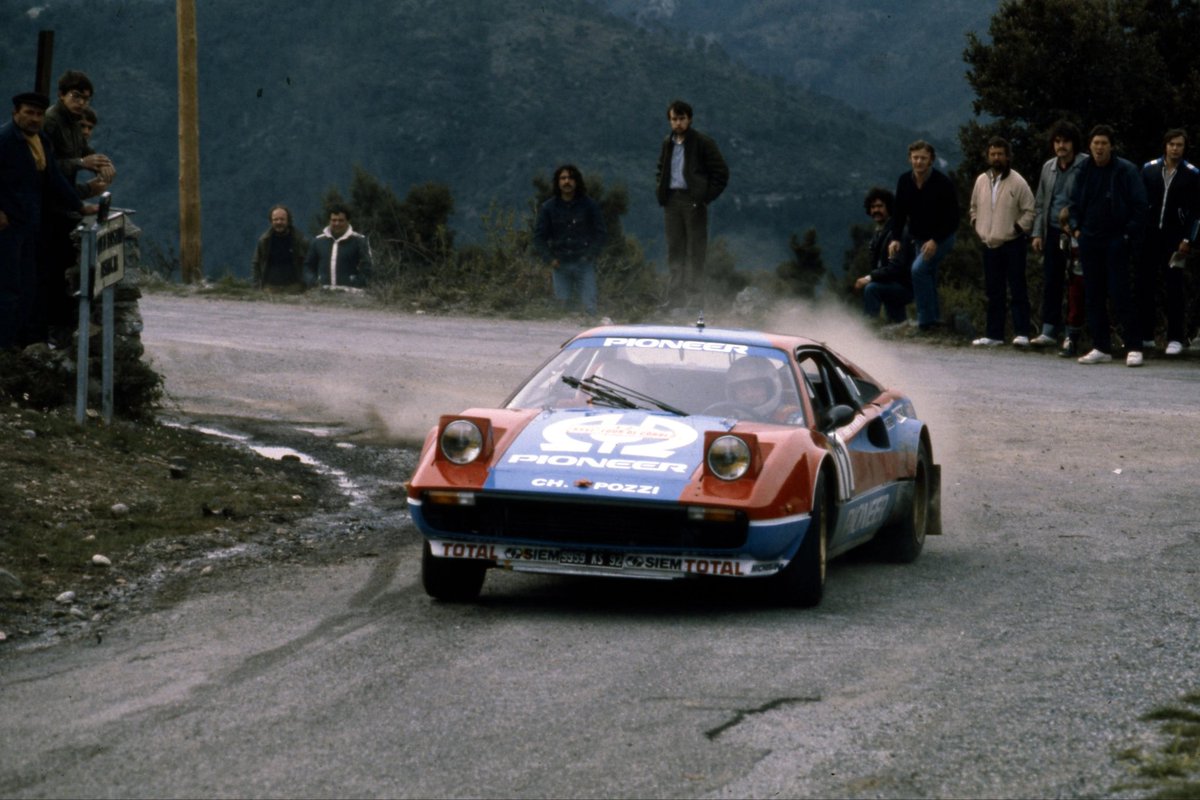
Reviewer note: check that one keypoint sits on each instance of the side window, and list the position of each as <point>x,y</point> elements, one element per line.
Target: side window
<point>831,384</point>
<point>815,383</point>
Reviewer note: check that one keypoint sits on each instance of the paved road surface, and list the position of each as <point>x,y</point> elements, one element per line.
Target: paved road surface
<point>1012,660</point>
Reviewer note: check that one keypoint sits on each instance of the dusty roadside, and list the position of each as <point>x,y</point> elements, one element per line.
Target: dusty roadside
<point>95,515</point>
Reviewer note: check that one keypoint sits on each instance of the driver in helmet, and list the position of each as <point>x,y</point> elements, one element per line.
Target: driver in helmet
<point>753,384</point>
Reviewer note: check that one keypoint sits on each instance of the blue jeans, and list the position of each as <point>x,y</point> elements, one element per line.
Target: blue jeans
<point>1105,274</point>
<point>1004,278</point>
<point>924,275</point>
<point>576,276</point>
<point>892,296</point>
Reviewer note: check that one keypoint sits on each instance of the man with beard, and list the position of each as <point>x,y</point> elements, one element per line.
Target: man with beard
<point>279,255</point>
<point>569,235</point>
<point>889,282</point>
<point>1002,213</point>
<point>691,175</point>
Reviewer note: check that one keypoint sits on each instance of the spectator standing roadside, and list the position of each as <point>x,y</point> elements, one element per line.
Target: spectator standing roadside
<point>280,253</point>
<point>64,127</point>
<point>96,184</point>
<point>1173,192</point>
<point>1108,218</point>
<point>28,176</point>
<point>889,282</point>
<point>927,211</point>
<point>1055,184</point>
<point>58,260</point>
<point>339,256</point>
<point>1002,213</point>
<point>691,175</point>
<point>569,235</point>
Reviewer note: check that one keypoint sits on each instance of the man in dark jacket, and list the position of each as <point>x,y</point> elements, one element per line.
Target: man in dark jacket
<point>279,254</point>
<point>889,283</point>
<point>569,235</point>
<point>339,257</point>
<point>28,176</point>
<point>1108,218</point>
<point>1173,192</point>
<point>926,212</point>
<point>691,175</point>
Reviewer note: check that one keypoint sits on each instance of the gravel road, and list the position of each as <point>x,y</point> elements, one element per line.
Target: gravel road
<point>1012,660</point>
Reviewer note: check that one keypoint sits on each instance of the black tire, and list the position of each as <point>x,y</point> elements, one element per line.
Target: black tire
<point>903,541</point>
<point>802,582</point>
<point>451,579</point>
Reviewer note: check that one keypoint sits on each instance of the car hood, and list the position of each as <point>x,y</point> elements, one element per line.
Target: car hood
<point>619,452</point>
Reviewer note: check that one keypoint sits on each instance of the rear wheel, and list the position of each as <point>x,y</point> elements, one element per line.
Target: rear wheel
<point>802,582</point>
<point>902,542</point>
<point>451,579</point>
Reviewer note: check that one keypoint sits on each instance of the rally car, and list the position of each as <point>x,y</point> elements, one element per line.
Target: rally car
<point>675,452</point>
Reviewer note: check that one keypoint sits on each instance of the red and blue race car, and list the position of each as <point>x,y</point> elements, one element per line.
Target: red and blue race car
<point>675,452</point>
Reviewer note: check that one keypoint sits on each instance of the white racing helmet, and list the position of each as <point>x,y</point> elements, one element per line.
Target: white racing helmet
<point>755,369</point>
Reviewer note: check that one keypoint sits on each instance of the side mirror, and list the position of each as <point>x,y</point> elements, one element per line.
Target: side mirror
<point>836,417</point>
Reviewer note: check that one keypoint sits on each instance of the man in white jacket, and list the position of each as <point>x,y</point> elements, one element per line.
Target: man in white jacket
<point>1002,210</point>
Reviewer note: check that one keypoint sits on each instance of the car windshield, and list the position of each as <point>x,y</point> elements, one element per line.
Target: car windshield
<point>673,375</point>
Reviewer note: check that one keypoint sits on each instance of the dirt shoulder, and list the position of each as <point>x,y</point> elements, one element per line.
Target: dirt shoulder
<point>95,514</point>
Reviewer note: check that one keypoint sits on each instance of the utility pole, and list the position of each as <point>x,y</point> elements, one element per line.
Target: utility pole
<point>45,62</point>
<point>189,144</point>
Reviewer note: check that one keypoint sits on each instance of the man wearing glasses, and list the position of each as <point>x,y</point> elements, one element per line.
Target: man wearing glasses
<point>62,125</point>
<point>56,313</point>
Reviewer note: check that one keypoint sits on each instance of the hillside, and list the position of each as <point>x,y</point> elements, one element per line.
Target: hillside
<point>900,62</point>
<point>479,95</point>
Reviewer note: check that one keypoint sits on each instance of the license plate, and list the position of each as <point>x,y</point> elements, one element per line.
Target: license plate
<point>577,558</point>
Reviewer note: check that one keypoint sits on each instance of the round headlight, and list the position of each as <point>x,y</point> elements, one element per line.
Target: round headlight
<point>461,441</point>
<point>728,457</point>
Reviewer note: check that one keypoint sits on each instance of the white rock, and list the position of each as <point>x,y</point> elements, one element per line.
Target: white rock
<point>119,509</point>
<point>101,561</point>
<point>3,636</point>
<point>66,598</point>
<point>207,570</point>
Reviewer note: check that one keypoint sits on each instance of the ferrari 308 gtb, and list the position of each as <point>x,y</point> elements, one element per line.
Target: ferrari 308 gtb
<point>677,452</point>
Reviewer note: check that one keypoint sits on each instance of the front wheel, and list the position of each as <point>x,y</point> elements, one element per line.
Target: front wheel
<point>802,582</point>
<point>454,580</point>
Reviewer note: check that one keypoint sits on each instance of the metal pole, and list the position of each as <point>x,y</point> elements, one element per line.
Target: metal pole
<point>106,362</point>
<point>87,263</point>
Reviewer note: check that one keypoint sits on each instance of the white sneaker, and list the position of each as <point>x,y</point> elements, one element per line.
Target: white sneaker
<point>1174,348</point>
<point>1133,358</point>
<point>1042,340</point>
<point>1020,341</point>
<point>1095,357</point>
<point>984,341</point>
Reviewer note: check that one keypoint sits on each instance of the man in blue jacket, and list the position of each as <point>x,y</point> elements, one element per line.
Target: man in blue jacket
<point>28,175</point>
<point>569,235</point>
<point>1173,192</point>
<point>1108,218</point>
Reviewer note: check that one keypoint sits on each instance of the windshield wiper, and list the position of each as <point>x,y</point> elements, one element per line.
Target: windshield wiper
<point>614,394</point>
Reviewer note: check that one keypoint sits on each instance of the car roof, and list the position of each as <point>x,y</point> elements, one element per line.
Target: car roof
<point>698,333</point>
